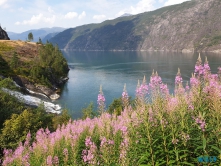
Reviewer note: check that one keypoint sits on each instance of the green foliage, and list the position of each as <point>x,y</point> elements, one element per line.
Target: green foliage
<point>4,67</point>
<point>88,112</point>
<point>39,41</point>
<point>60,119</point>
<point>9,105</point>
<point>50,66</point>
<point>115,107</point>
<point>14,62</point>
<point>16,128</point>
<point>8,83</point>
<point>30,36</point>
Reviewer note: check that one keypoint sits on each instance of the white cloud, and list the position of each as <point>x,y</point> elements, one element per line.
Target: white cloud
<point>99,17</point>
<point>35,19</point>
<point>50,9</point>
<point>2,2</point>
<point>173,2</point>
<point>71,15</point>
<point>21,9</point>
<point>17,23</point>
<point>140,7</point>
<point>82,15</point>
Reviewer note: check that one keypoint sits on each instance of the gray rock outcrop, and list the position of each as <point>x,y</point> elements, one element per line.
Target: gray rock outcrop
<point>3,34</point>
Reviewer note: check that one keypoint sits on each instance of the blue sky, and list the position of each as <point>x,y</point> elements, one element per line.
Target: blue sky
<point>22,15</point>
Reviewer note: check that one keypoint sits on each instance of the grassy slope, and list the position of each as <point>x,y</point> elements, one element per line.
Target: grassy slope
<point>26,52</point>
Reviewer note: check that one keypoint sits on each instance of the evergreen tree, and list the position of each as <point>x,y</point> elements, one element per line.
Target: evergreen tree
<point>30,36</point>
<point>39,41</point>
<point>14,61</point>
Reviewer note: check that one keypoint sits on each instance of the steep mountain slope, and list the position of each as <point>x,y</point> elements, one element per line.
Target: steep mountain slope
<point>37,33</point>
<point>191,26</point>
<point>49,36</point>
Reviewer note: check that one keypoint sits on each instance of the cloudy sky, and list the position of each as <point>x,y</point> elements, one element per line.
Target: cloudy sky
<point>22,15</point>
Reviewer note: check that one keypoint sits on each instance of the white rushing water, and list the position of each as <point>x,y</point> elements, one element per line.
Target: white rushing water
<point>30,100</point>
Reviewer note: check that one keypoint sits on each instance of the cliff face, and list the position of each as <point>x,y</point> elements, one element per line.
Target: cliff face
<point>191,26</point>
<point>196,26</point>
<point>3,34</point>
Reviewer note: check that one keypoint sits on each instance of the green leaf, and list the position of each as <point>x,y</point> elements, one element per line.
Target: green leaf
<point>186,163</point>
<point>215,148</point>
<point>204,143</point>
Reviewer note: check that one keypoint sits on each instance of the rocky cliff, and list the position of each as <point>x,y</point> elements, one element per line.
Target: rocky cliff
<point>3,34</point>
<point>191,26</point>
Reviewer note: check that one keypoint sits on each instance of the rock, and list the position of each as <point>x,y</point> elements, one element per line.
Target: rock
<point>3,34</point>
<point>63,80</point>
<point>54,96</point>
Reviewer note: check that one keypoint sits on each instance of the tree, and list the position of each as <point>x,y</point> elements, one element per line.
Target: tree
<point>39,41</point>
<point>14,61</point>
<point>16,129</point>
<point>30,36</point>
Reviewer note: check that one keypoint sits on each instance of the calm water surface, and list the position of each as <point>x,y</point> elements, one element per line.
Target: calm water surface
<point>89,70</point>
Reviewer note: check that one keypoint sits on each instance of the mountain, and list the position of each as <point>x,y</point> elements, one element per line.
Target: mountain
<point>36,33</point>
<point>3,34</point>
<point>191,26</point>
<point>49,36</point>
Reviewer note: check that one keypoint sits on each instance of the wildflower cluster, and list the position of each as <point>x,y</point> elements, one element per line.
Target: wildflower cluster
<point>166,130</point>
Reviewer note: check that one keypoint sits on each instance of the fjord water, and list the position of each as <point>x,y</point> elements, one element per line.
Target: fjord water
<point>89,70</point>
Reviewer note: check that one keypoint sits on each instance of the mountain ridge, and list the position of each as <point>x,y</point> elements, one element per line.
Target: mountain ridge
<point>187,27</point>
<point>37,33</point>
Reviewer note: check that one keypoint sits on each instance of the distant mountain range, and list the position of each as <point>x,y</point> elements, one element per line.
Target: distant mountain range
<point>43,33</point>
<point>191,26</point>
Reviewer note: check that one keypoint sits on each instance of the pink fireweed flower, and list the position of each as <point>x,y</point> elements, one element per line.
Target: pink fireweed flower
<point>185,137</point>
<point>28,139</point>
<point>25,159</point>
<point>18,152</point>
<point>56,160</point>
<point>178,78</point>
<point>155,81</point>
<point>206,67</point>
<point>179,90</point>
<point>194,82</point>
<point>125,97</point>
<point>198,67</point>
<point>187,88</point>
<point>164,90</point>
<point>101,101</point>
<point>200,122</point>
<point>142,89</point>
<point>219,72</point>
<point>88,155</point>
<point>175,141</point>
<point>163,122</point>
<point>65,152</point>
<point>49,160</point>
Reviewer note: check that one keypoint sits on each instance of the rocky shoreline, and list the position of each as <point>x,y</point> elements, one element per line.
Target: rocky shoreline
<point>40,90</point>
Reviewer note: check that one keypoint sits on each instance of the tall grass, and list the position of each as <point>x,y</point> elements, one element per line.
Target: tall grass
<point>162,129</point>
